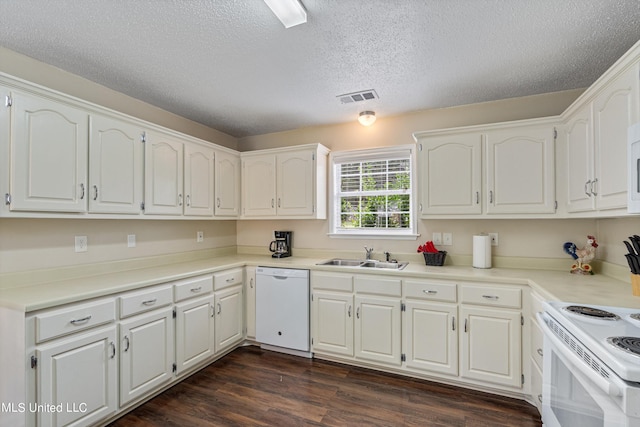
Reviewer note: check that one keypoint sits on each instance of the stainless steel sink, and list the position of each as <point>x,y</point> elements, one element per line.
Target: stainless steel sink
<point>342,262</point>
<point>386,265</point>
<point>365,264</point>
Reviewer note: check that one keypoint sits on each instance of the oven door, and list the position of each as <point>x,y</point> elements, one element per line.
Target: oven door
<point>573,394</point>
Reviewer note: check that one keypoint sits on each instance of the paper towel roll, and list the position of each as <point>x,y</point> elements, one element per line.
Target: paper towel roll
<point>482,251</point>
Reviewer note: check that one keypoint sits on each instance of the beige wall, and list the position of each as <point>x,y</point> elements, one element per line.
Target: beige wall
<point>27,244</point>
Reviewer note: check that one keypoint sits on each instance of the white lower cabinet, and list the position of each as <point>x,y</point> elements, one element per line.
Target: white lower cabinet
<point>332,313</point>
<point>378,336</point>
<point>146,353</point>
<point>194,332</point>
<point>76,379</point>
<point>229,308</point>
<point>491,336</point>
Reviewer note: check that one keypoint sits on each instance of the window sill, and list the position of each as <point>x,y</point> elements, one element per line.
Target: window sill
<point>379,236</point>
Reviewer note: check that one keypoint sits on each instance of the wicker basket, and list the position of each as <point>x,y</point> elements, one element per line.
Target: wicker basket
<point>433,258</point>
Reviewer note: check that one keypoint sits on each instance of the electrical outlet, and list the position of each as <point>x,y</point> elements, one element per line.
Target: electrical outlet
<point>436,238</point>
<point>200,236</point>
<point>81,243</point>
<point>131,241</point>
<point>494,239</point>
<point>447,239</point>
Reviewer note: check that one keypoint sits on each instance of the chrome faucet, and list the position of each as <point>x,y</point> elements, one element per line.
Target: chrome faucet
<point>368,252</point>
<point>387,256</point>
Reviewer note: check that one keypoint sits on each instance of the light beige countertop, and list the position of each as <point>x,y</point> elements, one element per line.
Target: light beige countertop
<point>40,290</point>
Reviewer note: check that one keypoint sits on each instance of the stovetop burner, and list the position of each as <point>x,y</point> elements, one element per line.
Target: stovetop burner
<point>591,312</point>
<point>628,344</point>
<point>635,316</point>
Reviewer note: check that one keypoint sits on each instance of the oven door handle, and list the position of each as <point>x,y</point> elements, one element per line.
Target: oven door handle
<point>605,385</point>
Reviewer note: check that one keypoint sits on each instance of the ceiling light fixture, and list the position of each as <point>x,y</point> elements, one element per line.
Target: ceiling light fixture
<point>289,12</point>
<point>366,118</point>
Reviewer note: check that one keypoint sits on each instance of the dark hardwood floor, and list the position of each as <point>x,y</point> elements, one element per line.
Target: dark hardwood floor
<point>253,387</point>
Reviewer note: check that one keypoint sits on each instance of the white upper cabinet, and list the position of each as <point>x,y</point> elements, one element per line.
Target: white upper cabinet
<point>451,175</point>
<point>285,183</point>
<point>49,142</point>
<point>198,180</point>
<point>116,162</point>
<point>163,177</point>
<point>521,169</point>
<point>227,184</point>
<point>594,140</point>
<point>514,175</point>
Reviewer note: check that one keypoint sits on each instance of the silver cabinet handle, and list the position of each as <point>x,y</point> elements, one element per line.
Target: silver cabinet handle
<point>231,280</point>
<point>150,301</point>
<point>188,200</point>
<point>219,308</point>
<point>586,191</point>
<point>465,325</point>
<point>490,196</point>
<point>95,192</point>
<point>272,202</point>
<point>539,352</point>
<point>126,338</point>
<point>82,320</point>
<point>218,201</point>
<point>198,289</point>
<point>593,187</point>
<point>429,292</point>
<point>349,311</point>
<point>278,201</point>
<point>453,323</point>
<point>491,297</point>
<point>82,191</point>
<point>213,310</point>
<point>251,283</point>
<point>477,197</point>
<point>540,398</point>
<point>358,313</point>
<point>113,350</point>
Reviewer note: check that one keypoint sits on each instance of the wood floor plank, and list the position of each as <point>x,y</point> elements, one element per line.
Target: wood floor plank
<point>253,387</point>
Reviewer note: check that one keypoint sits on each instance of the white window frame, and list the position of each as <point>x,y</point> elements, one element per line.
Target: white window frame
<point>338,157</point>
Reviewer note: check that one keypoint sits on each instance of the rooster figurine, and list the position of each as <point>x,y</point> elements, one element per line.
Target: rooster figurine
<point>582,256</point>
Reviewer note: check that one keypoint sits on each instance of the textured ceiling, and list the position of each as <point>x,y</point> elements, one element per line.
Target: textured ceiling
<point>231,65</point>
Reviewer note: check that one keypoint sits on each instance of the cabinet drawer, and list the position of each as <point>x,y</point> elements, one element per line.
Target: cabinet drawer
<point>428,290</point>
<point>193,287</point>
<point>148,299</point>
<point>73,319</point>
<point>227,278</point>
<point>332,281</point>
<point>491,295</point>
<point>377,285</point>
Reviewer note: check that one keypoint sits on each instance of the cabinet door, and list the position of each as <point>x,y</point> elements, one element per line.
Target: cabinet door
<point>333,323</point>
<point>579,154</point>
<point>49,142</point>
<point>259,186</point>
<point>227,184</point>
<point>115,166</point>
<point>80,374</point>
<point>377,329</point>
<point>194,332</point>
<point>520,170</point>
<point>615,109</point>
<point>491,342</point>
<point>146,353</point>
<point>229,324</point>
<point>163,179</point>
<point>450,174</point>
<point>250,301</point>
<point>295,183</point>
<point>198,180</point>
<point>431,337</point>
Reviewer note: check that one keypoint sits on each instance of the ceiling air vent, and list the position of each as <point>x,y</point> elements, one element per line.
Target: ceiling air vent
<point>363,95</point>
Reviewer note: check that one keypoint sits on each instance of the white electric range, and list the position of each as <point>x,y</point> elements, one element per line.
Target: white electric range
<point>591,373</point>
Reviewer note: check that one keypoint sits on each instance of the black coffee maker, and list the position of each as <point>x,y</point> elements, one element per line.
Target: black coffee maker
<point>281,247</point>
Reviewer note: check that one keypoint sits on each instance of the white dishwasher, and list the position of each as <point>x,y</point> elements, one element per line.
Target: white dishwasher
<point>282,310</point>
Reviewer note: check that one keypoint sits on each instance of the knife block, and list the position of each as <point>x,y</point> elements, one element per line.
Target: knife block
<point>635,284</point>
